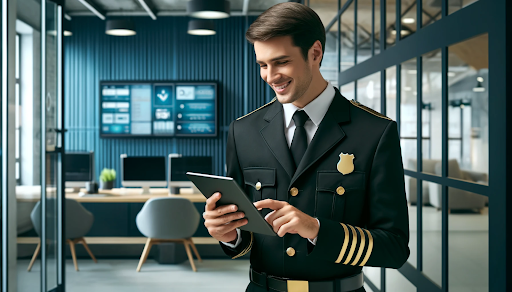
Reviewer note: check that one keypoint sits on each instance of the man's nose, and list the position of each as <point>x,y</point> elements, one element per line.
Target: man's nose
<point>273,75</point>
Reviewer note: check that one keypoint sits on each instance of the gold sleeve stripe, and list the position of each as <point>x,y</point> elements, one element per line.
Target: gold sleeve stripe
<point>274,99</point>
<point>345,244</point>
<point>246,250</point>
<point>361,247</point>
<point>352,246</point>
<point>370,248</point>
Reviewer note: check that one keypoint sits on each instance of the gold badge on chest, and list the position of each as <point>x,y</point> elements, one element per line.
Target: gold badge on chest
<point>346,163</point>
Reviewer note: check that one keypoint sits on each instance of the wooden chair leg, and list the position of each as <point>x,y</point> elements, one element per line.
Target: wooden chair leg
<point>189,254</point>
<point>73,253</point>
<point>191,242</point>
<point>145,254</point>
<point>34,257</point>
<point>87,249</point>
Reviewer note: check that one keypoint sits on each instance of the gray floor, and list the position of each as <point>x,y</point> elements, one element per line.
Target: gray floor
<point>120,275</point>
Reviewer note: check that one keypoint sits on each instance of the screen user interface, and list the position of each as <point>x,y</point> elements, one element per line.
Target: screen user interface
<point>158,109</point>
<point>77,167</point>
<point>144,168</point>
<point>181,165</point>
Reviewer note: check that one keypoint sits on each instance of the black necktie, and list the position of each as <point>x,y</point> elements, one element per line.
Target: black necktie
<point>300,138</point>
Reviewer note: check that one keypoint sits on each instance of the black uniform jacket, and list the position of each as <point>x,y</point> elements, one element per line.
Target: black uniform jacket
<point>362,213</point>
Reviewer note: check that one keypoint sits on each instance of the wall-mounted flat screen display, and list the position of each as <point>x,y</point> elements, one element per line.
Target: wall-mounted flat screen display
<point>158,109</point>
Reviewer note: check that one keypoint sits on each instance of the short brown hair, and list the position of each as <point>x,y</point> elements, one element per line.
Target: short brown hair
<point>292,19</point>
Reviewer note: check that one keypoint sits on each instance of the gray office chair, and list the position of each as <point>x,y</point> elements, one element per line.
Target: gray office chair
<point>168,220</point>
<point>78,223</point>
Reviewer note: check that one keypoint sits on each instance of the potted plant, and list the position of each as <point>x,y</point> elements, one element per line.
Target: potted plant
<point>107,178</point>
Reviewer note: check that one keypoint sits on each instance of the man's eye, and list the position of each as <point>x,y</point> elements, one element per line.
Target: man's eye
<point>282,62</point>
<point>263,66</point>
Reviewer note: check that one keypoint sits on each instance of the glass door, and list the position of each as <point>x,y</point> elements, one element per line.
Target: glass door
<point>52,194</point>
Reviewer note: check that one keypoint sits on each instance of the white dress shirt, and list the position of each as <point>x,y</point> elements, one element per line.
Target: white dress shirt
<point>316,111</point>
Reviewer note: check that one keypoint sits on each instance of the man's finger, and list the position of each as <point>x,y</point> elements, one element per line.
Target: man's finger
<point>211,202</point>
<point>271,204</point>
<point>220,211</point>
<point>225,219</point>
<point>232,226</point>
<point>288,227</point>
<point>278,222</point>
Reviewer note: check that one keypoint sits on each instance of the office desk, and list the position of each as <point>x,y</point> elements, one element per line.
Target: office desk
<point>115,212</point>
<point>121,195</point>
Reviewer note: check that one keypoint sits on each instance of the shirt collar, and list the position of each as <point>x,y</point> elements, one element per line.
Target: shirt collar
<point>316,109</point>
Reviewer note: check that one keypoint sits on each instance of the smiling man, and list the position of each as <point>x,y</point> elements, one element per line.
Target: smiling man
<point>326,172</point>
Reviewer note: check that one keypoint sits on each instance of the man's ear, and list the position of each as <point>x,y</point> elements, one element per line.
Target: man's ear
<point>316,51</point>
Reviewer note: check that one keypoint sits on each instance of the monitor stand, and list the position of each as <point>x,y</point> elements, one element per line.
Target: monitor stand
<point>145,191</point>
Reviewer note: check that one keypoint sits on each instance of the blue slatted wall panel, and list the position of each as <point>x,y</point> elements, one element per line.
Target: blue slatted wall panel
<point>161,50</point>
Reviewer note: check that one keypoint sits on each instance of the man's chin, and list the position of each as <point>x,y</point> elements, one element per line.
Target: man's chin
<point>287,98</point>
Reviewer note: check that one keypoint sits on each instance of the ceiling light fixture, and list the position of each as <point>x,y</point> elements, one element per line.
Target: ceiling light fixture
<point>408,20</point>
<point>120,27</point>
<point>201,27</point>
<point>67,27</point>
<point>208,9</point>
<point>480,79</point>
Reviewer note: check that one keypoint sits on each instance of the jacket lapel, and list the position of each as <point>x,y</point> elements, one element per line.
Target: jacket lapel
<point>274,136</point>
<point>328,134</point>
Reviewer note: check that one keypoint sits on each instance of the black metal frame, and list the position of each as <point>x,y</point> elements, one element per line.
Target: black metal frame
<point>482,17</point>
<point>59,150</point>
<point>18,81</point>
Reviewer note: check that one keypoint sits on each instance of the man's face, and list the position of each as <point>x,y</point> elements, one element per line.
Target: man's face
<point>283,67</point>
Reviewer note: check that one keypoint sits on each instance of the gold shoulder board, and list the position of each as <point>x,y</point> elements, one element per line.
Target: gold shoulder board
<point>371,111</point>
<point>257,109</point>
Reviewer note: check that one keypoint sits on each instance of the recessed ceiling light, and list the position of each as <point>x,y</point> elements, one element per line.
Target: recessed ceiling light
<point>120,27</point>
<point>479,79</point>
<point>408,20</point>
<point>201,27</point>
<point>67,27</point>
<point>208,9</point>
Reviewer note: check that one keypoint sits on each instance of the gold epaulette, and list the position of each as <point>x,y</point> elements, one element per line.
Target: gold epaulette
<point>371,111</point>
<point>257,109</point>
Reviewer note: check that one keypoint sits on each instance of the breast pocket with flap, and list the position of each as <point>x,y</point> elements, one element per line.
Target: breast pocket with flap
<point>260,183</point>
<point>332,191</point>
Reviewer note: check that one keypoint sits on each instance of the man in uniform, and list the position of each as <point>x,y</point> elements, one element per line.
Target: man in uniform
<point>326,172</point>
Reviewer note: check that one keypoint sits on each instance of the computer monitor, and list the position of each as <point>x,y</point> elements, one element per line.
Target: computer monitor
<point>178,167</point>
<point>78,169</point>
<point>143,171</point>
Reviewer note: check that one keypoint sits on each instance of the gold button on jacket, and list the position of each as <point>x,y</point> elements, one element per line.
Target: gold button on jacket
<point>258,186</point>
<point>290,251</point>
<point>340,190</point>
<point>294,192</point>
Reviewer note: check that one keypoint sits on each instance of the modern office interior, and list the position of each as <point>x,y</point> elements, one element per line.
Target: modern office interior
<point>106,104</point>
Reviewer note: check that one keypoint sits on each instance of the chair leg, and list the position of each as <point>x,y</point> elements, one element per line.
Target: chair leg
<point>191,242</point>
<point>36,253</point>
<point>145,254</point>
<point>73,253</point>
<point>81,239</point>
<point>189,254</point>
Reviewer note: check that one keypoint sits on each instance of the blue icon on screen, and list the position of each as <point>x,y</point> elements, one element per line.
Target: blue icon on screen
<point>163,95</point>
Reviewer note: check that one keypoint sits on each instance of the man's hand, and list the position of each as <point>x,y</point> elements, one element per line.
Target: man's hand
<point>287,219</point>
<point>220,221</point>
